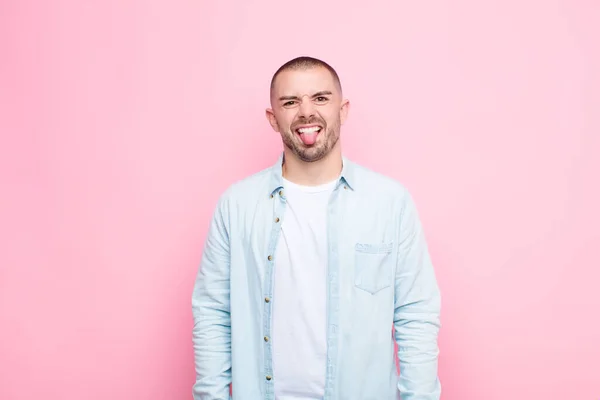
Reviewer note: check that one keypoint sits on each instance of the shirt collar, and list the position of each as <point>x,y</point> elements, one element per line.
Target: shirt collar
<point>346,177</point>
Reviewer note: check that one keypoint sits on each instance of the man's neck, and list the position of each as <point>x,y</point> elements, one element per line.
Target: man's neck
<point>312,173</point>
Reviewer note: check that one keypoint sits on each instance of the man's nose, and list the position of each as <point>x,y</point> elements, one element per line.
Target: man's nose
<point>307,109</point>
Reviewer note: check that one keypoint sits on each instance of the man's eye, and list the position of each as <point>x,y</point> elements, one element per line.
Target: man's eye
<point>288,103</point>
<point>322,99</point>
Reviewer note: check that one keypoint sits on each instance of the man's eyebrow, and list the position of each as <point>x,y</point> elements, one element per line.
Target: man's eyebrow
<point>321,93</point>
<point>282,98</point>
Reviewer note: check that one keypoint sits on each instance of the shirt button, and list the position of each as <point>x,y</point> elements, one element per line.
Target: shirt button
<point>277,219</point>
<point>267,299</point>
<point>345,187</point>
<point>266,338</point>
<point>281,193</point>
<point>271,196</point>
<point>270,258</point>
<point>269,377</point>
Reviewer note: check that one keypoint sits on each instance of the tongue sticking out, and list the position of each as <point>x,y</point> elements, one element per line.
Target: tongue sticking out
<point>309,135</point>
<point>309,138</point>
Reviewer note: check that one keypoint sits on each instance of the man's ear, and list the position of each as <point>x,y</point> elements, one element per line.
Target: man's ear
<point>272,120</point>
<point>344,111</point>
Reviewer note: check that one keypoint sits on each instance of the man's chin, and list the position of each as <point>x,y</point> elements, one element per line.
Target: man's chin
<point>310,154</point>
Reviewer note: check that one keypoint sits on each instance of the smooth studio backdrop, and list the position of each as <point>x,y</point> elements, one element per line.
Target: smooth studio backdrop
<point>121,122</point>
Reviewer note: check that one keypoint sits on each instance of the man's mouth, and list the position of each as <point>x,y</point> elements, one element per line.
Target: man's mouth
<point>309,133</point>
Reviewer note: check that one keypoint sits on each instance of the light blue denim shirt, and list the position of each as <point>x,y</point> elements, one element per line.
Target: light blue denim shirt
<point>381,289</point>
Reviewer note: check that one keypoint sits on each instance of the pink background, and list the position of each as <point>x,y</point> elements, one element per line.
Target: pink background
<point>122,121</point>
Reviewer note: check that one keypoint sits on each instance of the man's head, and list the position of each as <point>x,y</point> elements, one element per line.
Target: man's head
<point>307,107</point>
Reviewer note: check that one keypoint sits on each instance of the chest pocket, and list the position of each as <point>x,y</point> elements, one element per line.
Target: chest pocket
<point>373,266</point>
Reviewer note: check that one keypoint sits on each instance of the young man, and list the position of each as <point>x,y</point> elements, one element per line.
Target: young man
<point>313,268</point>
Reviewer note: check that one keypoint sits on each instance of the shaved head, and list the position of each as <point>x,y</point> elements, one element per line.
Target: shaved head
<point>305,62</point>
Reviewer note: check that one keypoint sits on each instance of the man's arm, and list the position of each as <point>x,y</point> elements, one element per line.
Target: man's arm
<point>417,311</point>
<point>210,309</point>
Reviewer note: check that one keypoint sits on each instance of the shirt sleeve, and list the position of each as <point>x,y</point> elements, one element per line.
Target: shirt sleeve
<point>211,335</point>
<point>416,311</point>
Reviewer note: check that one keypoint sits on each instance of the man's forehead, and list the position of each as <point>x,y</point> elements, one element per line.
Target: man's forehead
<point>305,80</point>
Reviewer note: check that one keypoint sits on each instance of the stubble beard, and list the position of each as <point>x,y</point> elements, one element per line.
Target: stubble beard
<point>317,151</point>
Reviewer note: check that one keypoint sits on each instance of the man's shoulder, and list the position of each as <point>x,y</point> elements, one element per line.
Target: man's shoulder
<point>382,190</point>
<point>378,182</point>
<point>250,187</point>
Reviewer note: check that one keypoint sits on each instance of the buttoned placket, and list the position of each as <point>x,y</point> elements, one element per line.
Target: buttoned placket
<point>279,206</point>
<point>332,291</point>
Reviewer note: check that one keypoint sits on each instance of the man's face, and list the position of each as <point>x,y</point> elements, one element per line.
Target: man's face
<point>307,110</point>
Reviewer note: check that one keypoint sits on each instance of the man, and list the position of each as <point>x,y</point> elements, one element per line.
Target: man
<point>314,268</point>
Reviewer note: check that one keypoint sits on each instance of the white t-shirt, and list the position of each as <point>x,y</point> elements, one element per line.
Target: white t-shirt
<point>299,336</point>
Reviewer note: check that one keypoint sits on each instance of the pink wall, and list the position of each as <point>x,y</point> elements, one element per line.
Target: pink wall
<point>123,121</point>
